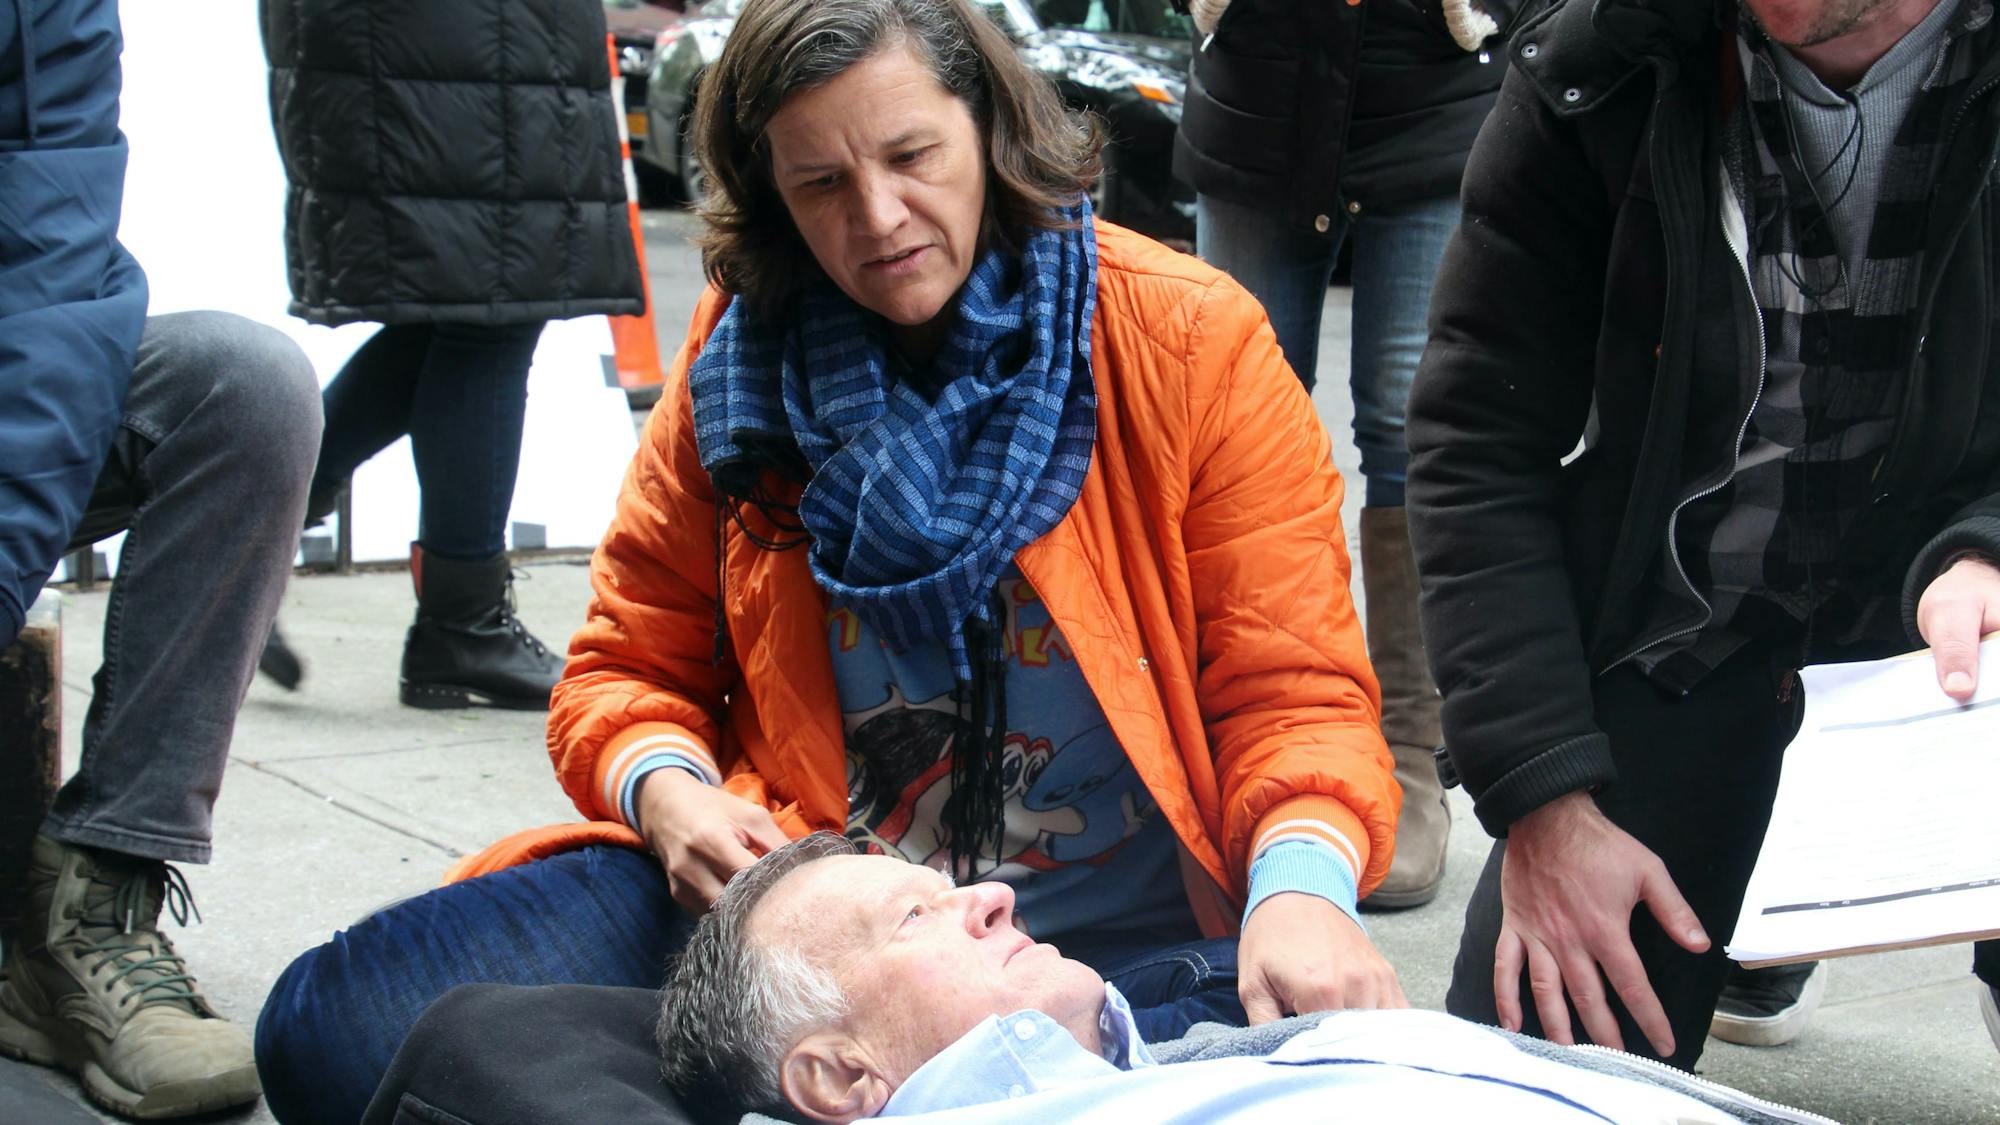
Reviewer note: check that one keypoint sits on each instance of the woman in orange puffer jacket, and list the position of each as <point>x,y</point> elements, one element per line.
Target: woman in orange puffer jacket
<point>997,537</point>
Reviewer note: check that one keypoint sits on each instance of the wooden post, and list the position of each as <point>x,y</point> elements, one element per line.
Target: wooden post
<point>30,745</point>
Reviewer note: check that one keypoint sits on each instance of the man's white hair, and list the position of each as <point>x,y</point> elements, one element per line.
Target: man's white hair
<point>733,1007</point>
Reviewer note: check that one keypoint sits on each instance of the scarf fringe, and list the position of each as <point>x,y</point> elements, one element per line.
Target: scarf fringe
<point>975,815</point>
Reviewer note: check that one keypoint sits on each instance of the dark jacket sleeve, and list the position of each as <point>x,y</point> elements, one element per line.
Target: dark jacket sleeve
<point>1499,400</point>
<point>72,301</point>
<point>1976,527</point>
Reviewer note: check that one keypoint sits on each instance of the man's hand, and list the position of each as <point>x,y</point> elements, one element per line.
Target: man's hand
<point>1301,953</point>
<point>1569,883</point>
<point>702,834</point>
<point>1958,607</point>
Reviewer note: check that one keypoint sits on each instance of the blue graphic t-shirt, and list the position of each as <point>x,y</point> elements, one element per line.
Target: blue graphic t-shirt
<point>1085,847</point>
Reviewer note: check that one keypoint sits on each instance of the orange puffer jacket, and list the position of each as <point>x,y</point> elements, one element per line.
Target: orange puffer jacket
<point>1201,580</point>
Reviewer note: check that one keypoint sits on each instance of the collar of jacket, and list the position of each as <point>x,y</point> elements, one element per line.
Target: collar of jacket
<point>1580,52</point>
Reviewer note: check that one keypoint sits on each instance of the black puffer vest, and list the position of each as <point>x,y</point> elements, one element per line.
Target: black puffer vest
<point>449,160</point>
<point>1313,108</point>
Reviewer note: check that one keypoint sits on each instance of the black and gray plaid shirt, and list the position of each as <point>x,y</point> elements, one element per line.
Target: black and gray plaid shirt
<point>1836,287</point>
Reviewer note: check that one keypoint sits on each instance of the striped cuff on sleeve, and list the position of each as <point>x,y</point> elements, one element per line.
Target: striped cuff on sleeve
<point>638,772</point>
<point>1308,857</point>
<point>642,752</point>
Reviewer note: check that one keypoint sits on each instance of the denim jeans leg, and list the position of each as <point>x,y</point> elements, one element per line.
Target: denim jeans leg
<point>465,430</point>
<point>368,403</point>
<point>1170,987</point>
<point>207,476</point>
<point>333,1021</point>
<point>1397,251</point>
<point>1285,268</point>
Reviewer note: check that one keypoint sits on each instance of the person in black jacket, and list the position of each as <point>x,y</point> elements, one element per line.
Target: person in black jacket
<point>1307,124</point>
<point>454,176</point>
<point>1748,261</point>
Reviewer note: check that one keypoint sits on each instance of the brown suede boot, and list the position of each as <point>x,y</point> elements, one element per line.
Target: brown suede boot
<point>1409,710</point>
<point>93,987</point>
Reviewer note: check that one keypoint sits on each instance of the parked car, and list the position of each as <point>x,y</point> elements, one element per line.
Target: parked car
<point>1124,60</point>
<point>635,25</point>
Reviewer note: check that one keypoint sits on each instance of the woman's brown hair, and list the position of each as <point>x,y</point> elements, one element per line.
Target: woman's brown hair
<point>1040,156</point>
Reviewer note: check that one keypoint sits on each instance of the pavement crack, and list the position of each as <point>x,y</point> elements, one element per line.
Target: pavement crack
<point>426,747</point>
<point>450,851</point>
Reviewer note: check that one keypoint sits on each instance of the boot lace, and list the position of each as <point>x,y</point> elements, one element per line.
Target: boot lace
<point>121,928</point>
<point>510,607</point>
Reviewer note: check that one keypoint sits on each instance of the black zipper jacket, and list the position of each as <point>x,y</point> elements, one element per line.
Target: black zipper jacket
<point>1590,295</point>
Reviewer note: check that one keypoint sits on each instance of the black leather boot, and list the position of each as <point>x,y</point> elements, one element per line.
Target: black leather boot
<point>466,646</point>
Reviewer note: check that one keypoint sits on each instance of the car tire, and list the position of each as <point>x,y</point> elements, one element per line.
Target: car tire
<point>693,177</point>
<point>656,188</point>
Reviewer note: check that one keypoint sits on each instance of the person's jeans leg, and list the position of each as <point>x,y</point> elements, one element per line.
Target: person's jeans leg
<point>334,1019</point>
<point>1397,251</point>
<point>1286,269</point>
<point>368,404</point>
<point>1696,778</point>
<point>1171,985</point>
<point>1986,962</point>
<point>207,476</point>
<point>465,429</point>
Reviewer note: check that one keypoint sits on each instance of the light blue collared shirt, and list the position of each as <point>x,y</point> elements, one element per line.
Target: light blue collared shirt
<point>1026,1053</point>
<point>1361,1066</point>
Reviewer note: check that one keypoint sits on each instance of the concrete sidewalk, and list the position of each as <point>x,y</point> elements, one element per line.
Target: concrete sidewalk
<point>339,800</point>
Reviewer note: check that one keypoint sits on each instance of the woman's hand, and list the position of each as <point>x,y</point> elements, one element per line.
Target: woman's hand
<point>1301,953</point>
<point>702,834</point>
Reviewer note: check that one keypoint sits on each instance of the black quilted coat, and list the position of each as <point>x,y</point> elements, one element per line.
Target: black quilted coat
<point>449,160</point>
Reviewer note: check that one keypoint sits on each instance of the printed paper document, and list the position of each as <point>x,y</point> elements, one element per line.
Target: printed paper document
<point>1886,830</point>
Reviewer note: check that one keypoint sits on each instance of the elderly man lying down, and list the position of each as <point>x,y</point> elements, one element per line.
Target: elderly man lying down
<point>831,986</point>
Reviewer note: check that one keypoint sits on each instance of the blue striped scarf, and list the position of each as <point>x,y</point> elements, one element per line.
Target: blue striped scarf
<point>917,503</point>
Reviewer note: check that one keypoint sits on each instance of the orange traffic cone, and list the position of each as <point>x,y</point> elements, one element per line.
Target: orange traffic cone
<point>635,347</point>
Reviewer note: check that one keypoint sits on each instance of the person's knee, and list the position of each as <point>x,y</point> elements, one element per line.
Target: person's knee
<point>287,1044</point>
<point>261,396</point>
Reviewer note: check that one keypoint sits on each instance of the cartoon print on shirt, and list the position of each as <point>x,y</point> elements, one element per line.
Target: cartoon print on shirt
<point>1069,798</point>
<point>899,777</point>
<point>1107,814</point>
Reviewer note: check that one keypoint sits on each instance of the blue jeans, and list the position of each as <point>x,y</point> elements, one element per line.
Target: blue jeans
<point>1396,256</point>
<point>207,478</point>
<point>603,916</point>
<point>461,392</point>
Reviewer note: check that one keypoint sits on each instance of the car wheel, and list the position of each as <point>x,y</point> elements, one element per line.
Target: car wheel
<point>1104,194</point>
<point>655,186</point>
<point>694,178</point>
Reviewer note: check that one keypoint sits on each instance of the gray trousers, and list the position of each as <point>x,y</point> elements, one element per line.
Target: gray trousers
<point>207,477</point>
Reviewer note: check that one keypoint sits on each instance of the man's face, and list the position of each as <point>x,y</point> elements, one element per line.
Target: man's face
<point>921,962</point>
<point>1809,23</point>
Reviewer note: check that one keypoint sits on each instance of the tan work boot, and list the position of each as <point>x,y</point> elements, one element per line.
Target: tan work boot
<point>94,988</point>
<point>1409,710</point>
